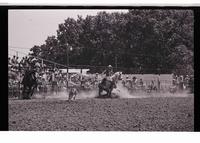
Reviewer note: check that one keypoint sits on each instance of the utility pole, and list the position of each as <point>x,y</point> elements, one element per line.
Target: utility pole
<point>67,65</point>
<point>67,45</point>
<point>68,48</point>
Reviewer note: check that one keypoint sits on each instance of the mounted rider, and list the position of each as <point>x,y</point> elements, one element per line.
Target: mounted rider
<point>108,72</point>
<point>29,81</point>
<point>107,84</point>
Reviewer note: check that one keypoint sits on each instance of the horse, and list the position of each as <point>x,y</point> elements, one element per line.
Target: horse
<point>29,82</point>
<point>109,84</point>
<point>106,85</point>
<point>116,77</point>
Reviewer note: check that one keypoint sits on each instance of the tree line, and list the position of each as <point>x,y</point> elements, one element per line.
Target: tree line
<point>141,40</point>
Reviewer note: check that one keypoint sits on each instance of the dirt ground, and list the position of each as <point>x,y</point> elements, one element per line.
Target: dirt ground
<point>142,114</point>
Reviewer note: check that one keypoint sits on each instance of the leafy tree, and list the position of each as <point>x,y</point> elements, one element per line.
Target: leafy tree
<point>142,39</point>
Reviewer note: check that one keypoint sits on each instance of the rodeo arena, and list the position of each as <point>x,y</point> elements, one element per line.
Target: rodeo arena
<point>58,97</point>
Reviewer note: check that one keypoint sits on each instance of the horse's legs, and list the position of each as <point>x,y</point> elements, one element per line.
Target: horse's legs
<point>33,88</point>
<point>100,90</point>
<point>109,93</point>
<point>24,92</point>
<point>27,92</point>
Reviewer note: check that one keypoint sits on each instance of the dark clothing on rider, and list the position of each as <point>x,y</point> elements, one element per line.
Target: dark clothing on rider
<point>29,84</point>
<point>27,74</point>
<point>103,81</point>
<point>109,72</point>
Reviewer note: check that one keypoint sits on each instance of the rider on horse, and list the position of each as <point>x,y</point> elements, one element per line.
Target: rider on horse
<point>107,83</point>
<point>29,81</point>
<point>108,72</point>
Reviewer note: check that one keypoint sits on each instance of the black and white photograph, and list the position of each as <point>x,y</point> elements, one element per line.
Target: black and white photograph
<point>101,69</point>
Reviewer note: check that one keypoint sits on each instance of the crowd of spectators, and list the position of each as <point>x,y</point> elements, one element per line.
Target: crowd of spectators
<point>179,83</point>
<point>183,82</point>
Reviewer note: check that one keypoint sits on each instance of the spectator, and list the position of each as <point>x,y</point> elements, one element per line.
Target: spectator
<point>179,82</point>
<point>13,60</point>
<point>152,85</point>
<point>141,83</point>
<point>123,81</point>
<point>134,82</point>
<point>186,82</point>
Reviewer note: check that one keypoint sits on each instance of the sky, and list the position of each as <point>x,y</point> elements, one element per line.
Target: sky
<point>27,28</point>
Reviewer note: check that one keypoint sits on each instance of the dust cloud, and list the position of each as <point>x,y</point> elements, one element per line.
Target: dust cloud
<point>119,92</point>
<point>123,92</point>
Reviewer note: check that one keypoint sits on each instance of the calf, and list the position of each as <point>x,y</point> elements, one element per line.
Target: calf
<point>72,94</point>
